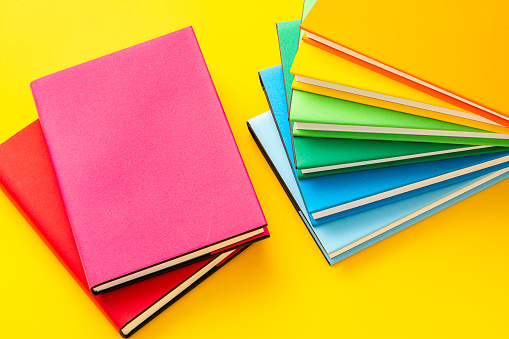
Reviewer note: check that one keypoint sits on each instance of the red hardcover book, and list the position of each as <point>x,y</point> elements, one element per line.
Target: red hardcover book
<point>27,176</point>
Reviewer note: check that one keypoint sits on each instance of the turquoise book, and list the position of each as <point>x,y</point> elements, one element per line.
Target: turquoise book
<point>290,35</point>
<point>288,45</point>
<point>339,239</point>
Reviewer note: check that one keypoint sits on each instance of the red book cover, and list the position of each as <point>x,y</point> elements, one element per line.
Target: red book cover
<point>26,174</point>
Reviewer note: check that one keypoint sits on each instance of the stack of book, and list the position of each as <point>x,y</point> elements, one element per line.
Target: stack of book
<point>382,115</point>
<point>132,176</point>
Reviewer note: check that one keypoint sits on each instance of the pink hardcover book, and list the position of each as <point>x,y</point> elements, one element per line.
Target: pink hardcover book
<point>148,168</point>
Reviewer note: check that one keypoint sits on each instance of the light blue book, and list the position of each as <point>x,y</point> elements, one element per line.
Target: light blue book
<point>339,195</point>
<point>341,238</point>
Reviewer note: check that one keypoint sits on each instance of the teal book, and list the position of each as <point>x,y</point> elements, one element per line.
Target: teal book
<point>315,115</point>
<point>290,35</point>
<point>288,45</point>
<point>324,156</point>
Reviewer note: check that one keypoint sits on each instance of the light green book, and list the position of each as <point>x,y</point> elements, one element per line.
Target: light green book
<point>315,115</point>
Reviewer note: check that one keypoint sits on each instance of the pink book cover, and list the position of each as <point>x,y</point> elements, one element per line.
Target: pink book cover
<point>148,168</point>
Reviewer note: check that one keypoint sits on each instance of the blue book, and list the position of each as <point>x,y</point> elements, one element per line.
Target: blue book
<point>339,239</point>
<point>339,195</point>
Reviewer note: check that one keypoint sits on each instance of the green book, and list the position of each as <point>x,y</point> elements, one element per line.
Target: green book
<point>288,35</point>
<point>323,156</point>
<point>315,115</point>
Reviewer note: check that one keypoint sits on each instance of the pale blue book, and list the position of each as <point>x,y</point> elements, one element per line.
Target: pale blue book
<point>339,239</point>
<point>339,195</point>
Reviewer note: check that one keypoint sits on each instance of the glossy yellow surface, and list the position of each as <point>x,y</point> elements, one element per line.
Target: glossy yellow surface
<point>445,277</point>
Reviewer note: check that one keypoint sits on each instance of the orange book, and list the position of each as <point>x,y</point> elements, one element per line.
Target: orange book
<point>453,50</point>
<point>318,71</point>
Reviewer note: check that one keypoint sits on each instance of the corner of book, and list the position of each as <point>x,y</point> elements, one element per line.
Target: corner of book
<point>33,85</point>
<point>189,30</point>
<point>124,335</point>
<point>261,83</point>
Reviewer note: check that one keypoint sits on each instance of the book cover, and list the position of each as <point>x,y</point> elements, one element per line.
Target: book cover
<point>26,175</point>
<point>339,239</point>
<point>319,71</point>
<point>288,45</point>
<point>324,156</point>
<point>452,69</point>
<point>347,119</point>
<point>148,168</point>
<point>289,37</point>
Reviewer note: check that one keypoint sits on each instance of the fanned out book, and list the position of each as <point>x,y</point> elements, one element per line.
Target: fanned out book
<point>316,156</point>
<point>336,196</point>
<point>341,238</point>
<point>320,148</point>
<point>361,152</point>
<point>316,67</point>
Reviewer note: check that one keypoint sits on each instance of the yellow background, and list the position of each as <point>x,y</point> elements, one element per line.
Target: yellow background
<point>445,277</point>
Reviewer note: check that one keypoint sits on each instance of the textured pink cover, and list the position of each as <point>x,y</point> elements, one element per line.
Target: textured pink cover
<point>145,159</point>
